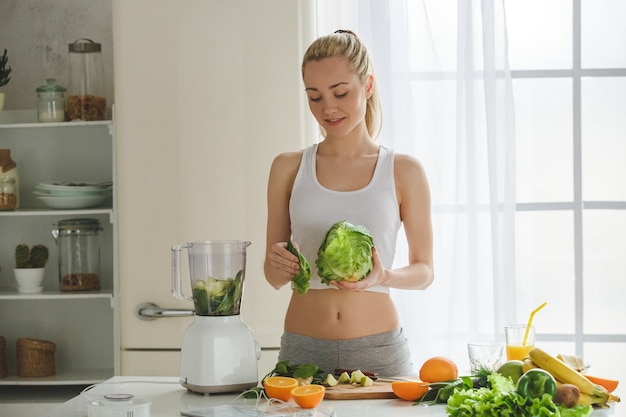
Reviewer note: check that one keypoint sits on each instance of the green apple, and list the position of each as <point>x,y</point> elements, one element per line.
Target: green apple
<point>344,377</point>
<point>331,381</point>
<point>357,376</point>
<point>366,381</point>
<point>512,369</point>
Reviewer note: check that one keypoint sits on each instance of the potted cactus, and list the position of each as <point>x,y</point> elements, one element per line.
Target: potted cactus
<point>5,71</point>
<point>29,267</point>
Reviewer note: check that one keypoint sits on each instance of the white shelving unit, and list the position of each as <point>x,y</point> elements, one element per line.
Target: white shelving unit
<point>82,324</point>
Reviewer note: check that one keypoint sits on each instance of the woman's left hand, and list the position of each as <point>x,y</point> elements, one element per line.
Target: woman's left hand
<point>375,277</point>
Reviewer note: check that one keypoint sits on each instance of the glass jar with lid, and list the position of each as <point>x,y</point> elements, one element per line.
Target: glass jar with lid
<point>86,99</point>
<point>51,102</point>
<point>79,254</point>
<point>8,170</point>
<point>8,195</point>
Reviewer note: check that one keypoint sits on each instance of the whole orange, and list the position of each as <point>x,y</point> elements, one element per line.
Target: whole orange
<point>279,387</point>
<point>438,369</point>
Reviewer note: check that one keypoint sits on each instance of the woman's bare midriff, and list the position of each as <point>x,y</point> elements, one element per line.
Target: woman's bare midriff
<point>340,314</point>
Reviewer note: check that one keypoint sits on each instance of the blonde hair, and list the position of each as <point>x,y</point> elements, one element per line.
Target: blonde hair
<point>345,43</point>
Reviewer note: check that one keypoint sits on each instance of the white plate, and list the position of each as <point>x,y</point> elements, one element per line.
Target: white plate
<point>72,202</point>
<point>69,193</point>
<point>28,290</point>
<point>74,185</point>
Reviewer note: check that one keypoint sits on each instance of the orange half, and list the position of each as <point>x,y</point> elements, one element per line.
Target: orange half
<point>308,396</point>
<point>279,387</point>
<point>409,390</point>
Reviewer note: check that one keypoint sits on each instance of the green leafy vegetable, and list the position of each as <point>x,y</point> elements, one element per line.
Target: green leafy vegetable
<point>308,373</point>
<point>439,392</point>
<point>502,400</point>
<point>345,253</point>
<point>302,279</point>
<point>218,297</point>
<point>301,371</point>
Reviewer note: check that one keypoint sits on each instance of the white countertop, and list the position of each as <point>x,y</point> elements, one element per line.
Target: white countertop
<point>169,398</point>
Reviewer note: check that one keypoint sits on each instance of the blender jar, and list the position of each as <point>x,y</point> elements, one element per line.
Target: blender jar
<point>217,270</point>
<point>79,254</point>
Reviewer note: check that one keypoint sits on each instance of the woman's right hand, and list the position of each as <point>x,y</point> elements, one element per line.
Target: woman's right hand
<point>284,263</point>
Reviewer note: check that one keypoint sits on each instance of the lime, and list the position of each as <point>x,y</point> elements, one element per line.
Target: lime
<point>512,369</point>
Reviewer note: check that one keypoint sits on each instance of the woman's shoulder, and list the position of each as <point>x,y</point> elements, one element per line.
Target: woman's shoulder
<point>405,162</point>
<point>285,168</point>
<point>286,160</point>
<point>409,172</point>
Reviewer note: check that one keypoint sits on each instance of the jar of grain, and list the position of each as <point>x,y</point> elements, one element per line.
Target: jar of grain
<point>8,172</point>
<point>86,99</point>
<point>8,194</point>
<point>79,254</point>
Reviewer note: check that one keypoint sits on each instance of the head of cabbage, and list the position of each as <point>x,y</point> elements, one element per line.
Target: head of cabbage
<point>345,253</point>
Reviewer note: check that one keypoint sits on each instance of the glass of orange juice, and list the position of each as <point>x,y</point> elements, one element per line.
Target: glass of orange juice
<point>515,347</point>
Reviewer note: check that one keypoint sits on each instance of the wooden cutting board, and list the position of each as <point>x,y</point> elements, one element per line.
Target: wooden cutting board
<point>379,390</point>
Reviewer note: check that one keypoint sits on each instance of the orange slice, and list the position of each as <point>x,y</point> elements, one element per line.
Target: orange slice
<point>279,387</point>
<point>409,390</point>
<point>308,396</point>
<point>609,384</point>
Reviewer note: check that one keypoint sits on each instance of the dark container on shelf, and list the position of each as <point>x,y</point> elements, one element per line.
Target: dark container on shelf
<point>35,358</point>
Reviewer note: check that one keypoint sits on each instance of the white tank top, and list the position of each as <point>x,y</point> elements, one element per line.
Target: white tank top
<point>314,209</point>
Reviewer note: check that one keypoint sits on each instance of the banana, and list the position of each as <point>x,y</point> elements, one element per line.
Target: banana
<point>566,374</point>
<point>586,399</point>
<point>528,364</point>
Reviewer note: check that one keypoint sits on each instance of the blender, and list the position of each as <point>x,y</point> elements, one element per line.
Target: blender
<point>218,353</point>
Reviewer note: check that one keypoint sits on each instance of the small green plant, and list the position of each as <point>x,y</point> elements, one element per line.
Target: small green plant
<point>35,257</point>
<point>4,70</point>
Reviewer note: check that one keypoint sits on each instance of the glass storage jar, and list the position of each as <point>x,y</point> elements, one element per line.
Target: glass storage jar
<point>8,169</point>
<point>86,99</point>
<point>79,254</point>
<point>8,195</point>
<point>50,102</point>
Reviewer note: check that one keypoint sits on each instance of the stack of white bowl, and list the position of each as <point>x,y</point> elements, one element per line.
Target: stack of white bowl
<point>72,194</point>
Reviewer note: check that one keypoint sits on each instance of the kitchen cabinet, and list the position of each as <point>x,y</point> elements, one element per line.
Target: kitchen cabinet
<point>83,325</point>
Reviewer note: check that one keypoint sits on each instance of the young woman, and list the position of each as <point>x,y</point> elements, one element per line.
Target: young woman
<point>347,176</point>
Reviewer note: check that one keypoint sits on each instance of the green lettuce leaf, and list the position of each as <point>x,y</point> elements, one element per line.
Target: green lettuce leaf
<point>503,401</point>
<point>302,279</point>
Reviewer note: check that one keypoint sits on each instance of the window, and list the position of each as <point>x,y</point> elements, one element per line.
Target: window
<point>523,136</point>
<point>569,79</point>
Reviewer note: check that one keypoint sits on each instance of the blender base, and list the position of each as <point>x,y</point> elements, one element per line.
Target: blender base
<point>218,355</point>
<point>218,389</point>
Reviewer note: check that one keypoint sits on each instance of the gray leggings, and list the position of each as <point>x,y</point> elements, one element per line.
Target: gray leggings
<point>386,353</point>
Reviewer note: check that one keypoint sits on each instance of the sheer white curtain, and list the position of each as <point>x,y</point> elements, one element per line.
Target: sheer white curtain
<point>447,99</point>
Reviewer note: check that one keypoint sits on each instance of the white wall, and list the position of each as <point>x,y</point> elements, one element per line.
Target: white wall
<point>207,93</point>
<point>36,35</point>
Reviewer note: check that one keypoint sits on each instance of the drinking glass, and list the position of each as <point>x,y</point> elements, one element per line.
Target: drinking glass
<point>515,347</point>
<point>484,355</point>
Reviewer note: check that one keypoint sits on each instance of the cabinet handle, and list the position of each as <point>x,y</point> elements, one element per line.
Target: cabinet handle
<point>151,311</point>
